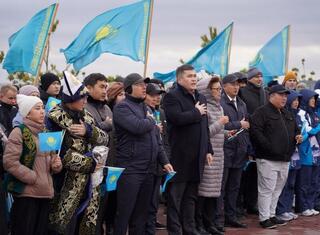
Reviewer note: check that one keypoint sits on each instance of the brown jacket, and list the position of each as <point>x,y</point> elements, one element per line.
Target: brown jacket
<point>38,180</point>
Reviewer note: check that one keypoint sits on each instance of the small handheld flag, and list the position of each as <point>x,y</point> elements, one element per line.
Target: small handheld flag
<point>50,141</point>
<point>52,102</point>
<point>235,135</point>
<point>247,164</point>
<point>168,177</point>
<point>112,177</point>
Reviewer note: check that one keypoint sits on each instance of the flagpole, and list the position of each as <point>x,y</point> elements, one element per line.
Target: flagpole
<point>148,39</point>
<point>36,80</point>
<point>288,47</point>
<point>229,48</point>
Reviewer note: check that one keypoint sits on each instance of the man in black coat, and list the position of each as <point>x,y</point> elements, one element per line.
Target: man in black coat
<point>138,148</point>
<point>235,150</point>
<point>186,111</point>
<point>274,134</point>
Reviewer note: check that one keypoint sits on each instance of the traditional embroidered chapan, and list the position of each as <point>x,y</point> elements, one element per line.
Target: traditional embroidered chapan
<point>75,198</point>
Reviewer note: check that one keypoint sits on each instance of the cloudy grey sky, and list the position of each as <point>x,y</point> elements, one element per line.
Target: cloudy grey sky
<point>176,29</point>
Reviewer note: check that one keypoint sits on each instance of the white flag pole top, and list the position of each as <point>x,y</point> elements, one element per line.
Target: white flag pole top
<point>70,84</point>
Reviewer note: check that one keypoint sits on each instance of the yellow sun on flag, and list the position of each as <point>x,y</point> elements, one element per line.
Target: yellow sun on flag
<point>53,103</point>
<point>51,141</point>
<point>112,179</point>
<point>104,31</point>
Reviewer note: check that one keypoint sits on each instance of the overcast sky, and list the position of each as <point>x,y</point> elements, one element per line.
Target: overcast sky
<point>176,29</point>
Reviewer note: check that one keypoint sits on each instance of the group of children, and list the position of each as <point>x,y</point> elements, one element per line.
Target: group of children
<point>303,184</point>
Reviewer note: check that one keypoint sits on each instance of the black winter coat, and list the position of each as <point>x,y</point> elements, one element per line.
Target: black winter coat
<point>138,146</point>
<point>273,133</point>
<point>188,134</point>
<point>235,150</point>
<point>253,96</point>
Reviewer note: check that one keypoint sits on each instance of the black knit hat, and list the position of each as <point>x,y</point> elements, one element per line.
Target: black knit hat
<point>47,79</point>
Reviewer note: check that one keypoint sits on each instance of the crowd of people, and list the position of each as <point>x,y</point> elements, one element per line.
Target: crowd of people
<point>236,147</point>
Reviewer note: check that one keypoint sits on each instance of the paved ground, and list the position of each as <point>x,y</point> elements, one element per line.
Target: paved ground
<point>301,226</point>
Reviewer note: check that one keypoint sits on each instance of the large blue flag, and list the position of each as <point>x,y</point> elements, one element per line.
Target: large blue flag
<point>213,58</point>
<point>112,177</point>
<point>272,59</point>
<point>121,31</point>
<point>27,45</point>
<point>50,141</point>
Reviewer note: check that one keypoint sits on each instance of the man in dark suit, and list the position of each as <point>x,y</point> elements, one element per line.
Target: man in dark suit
<point>186,111</point>
<point>235,150</point>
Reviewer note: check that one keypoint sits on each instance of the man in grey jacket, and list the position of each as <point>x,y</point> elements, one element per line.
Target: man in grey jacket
<point>96,83</point>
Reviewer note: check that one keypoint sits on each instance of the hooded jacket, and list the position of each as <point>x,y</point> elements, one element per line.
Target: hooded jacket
<point>295,158</point>
<point>309,121</point>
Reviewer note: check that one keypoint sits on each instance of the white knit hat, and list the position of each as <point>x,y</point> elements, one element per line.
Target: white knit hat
<point>26,103</point>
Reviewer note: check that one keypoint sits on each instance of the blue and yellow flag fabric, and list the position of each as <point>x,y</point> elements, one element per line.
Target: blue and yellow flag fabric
<point>50,141</point>
<point>168,177</point>
<point>213,58</point>
<point>51,103</point>
<point>27,45</point>
<point>112,177</point>
<point>121,31</point>
<point>272,59</point>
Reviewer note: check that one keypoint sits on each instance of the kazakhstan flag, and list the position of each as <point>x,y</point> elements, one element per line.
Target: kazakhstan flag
<point>51,103</point>
<point>26,46</point>
<point>50,141</point>
<point>112,177</point>
<point>121,31</point>
<point>272,59</point>
<point>213,58</point>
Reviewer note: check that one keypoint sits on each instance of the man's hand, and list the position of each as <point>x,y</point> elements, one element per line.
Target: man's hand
<point>209,159</point>
<point>299,139</point>
<point>168,168</point>
<point>202,108</point>
<point>160,126</point>
<point>231,133</point>
<point>245,124</point>
<point>78,129</point>
<point>99,166</point>
<point>108,120</point>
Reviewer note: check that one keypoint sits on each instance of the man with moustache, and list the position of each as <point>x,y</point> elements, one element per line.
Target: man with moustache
<point>274,134</point>
<point>138,148</point>
<point>187,121</point>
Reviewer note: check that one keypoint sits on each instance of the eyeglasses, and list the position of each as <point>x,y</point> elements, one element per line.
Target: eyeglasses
<point>216,88</point>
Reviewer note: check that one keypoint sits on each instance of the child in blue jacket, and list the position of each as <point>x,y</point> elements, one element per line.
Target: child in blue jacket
<point>309,152</point>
